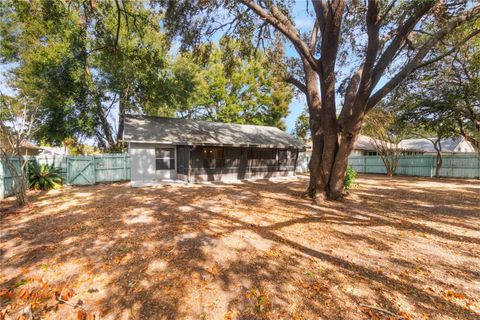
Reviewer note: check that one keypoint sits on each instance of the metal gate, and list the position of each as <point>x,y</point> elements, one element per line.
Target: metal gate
<point>81,170</point>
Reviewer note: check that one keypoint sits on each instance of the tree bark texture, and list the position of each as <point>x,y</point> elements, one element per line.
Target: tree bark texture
<point>333,136</point>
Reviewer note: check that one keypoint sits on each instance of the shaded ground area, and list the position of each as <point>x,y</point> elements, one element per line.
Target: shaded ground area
<point>255,250</point>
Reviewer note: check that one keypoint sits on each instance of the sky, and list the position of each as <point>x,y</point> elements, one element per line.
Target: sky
<point>302,21</point>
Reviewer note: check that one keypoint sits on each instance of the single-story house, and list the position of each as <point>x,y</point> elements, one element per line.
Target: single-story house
<point>449,145</point>
<point>26,149</point>
<point>53,151</point>
<point>364,146</point>
<point>170,149</point>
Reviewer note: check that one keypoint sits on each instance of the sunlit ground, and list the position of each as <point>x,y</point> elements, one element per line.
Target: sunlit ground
<point>256,250</point>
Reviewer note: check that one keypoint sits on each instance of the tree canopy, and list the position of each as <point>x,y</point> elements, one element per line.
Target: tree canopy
<point>87,64</point>
<point>231,87</point>
<point>351,56</point>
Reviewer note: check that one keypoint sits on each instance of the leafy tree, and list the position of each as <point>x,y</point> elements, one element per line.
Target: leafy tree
<point>17,122</point>
<point>376,43</point>
<point>387,130</point>
<point>81,60</point>
<point>231,87</point>
<point>444,100</point>
<point>302,127</point>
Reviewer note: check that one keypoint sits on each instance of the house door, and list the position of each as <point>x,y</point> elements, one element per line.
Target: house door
<point>283,156</point>
<point>165,163</point>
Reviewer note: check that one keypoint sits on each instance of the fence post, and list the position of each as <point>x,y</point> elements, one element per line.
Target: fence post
<point>2,181</point>
<point>124,166</point>
<point>364,164</point>
<point>478,165</point>
<point>94,170</point>
<point>67,165</point>
<point>432,165</point>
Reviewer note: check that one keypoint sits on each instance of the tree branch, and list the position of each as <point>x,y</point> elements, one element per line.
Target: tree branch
<point>280,22</point>
<point>403,31</point>
<point>297,83</point>
<point>449,52</point>
<point>422,52</point>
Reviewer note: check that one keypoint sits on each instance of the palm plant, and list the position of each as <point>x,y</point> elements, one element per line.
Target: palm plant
<point>44,176</point>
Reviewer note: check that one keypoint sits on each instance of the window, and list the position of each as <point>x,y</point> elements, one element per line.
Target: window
<point>213,158</point>
<point>262,154</point>
<point>164,159</point>
<point>283,156</point>
<point>372,153</point>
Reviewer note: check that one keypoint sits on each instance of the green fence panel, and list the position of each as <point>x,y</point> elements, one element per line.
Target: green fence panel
<point>415,166</point>
<point>460,166</point>
<point>76,170</point>
<point>453,166</point>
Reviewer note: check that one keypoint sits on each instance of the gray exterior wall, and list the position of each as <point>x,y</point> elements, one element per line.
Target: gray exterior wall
<point>143,163</point>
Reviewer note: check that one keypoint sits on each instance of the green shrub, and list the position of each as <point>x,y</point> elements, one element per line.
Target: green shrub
<point>43,176</point>
<point>350,176</point>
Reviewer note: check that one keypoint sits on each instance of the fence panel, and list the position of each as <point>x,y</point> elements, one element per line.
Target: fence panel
<point>374,164</point>
<point>80,170</point>
<point>112,168</point>
<point>76,170</point>
<point>421,166</point>
<point>460,166</point>
<point>453,166</point>
<point>6,180</point>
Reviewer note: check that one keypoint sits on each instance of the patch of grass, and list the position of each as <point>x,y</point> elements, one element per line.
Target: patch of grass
<point>21,283</point>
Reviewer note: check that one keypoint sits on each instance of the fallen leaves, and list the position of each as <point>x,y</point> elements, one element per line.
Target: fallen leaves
<point>452,294</point>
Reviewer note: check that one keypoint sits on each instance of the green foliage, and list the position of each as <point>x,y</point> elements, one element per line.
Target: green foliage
<point>443,100</point>
<point>302,127</point>
<point>350,176</point>
<point>232,87</point>
<point>74,62</point>
<point>43,176</point>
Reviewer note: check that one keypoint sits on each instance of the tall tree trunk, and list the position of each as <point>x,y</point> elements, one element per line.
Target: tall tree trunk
<point>122,107</point>
<point>107,130</point>
<point>439,160</point>
<point>314,108</point>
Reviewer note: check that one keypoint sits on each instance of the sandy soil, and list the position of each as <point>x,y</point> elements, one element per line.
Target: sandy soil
<point>256,250</point>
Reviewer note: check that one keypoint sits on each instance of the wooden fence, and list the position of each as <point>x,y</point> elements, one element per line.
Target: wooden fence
<point>76,170</point>
<point>453,166</point>
<point>87,170</point>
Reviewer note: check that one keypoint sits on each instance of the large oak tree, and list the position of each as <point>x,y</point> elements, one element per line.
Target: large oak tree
<point>376,43</point>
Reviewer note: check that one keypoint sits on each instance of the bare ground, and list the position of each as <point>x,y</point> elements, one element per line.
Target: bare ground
<point>256,250</point>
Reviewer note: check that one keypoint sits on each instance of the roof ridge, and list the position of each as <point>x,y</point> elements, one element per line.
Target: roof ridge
<point>205,121</point>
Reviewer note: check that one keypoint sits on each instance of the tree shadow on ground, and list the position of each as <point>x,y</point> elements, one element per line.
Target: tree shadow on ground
<point>251,251</point>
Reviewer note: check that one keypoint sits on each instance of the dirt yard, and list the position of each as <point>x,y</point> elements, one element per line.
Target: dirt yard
<point>396,248</point>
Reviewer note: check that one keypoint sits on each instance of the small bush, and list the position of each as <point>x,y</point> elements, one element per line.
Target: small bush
<point>43,176</point>
<point>350,176</point>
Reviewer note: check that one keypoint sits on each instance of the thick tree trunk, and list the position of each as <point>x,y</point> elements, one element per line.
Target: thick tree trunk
<point>340,165</point>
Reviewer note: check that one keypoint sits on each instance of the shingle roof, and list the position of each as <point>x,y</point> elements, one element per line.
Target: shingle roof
<point>190,132</point>
<point>365,143</point>
<point>425,145</point>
